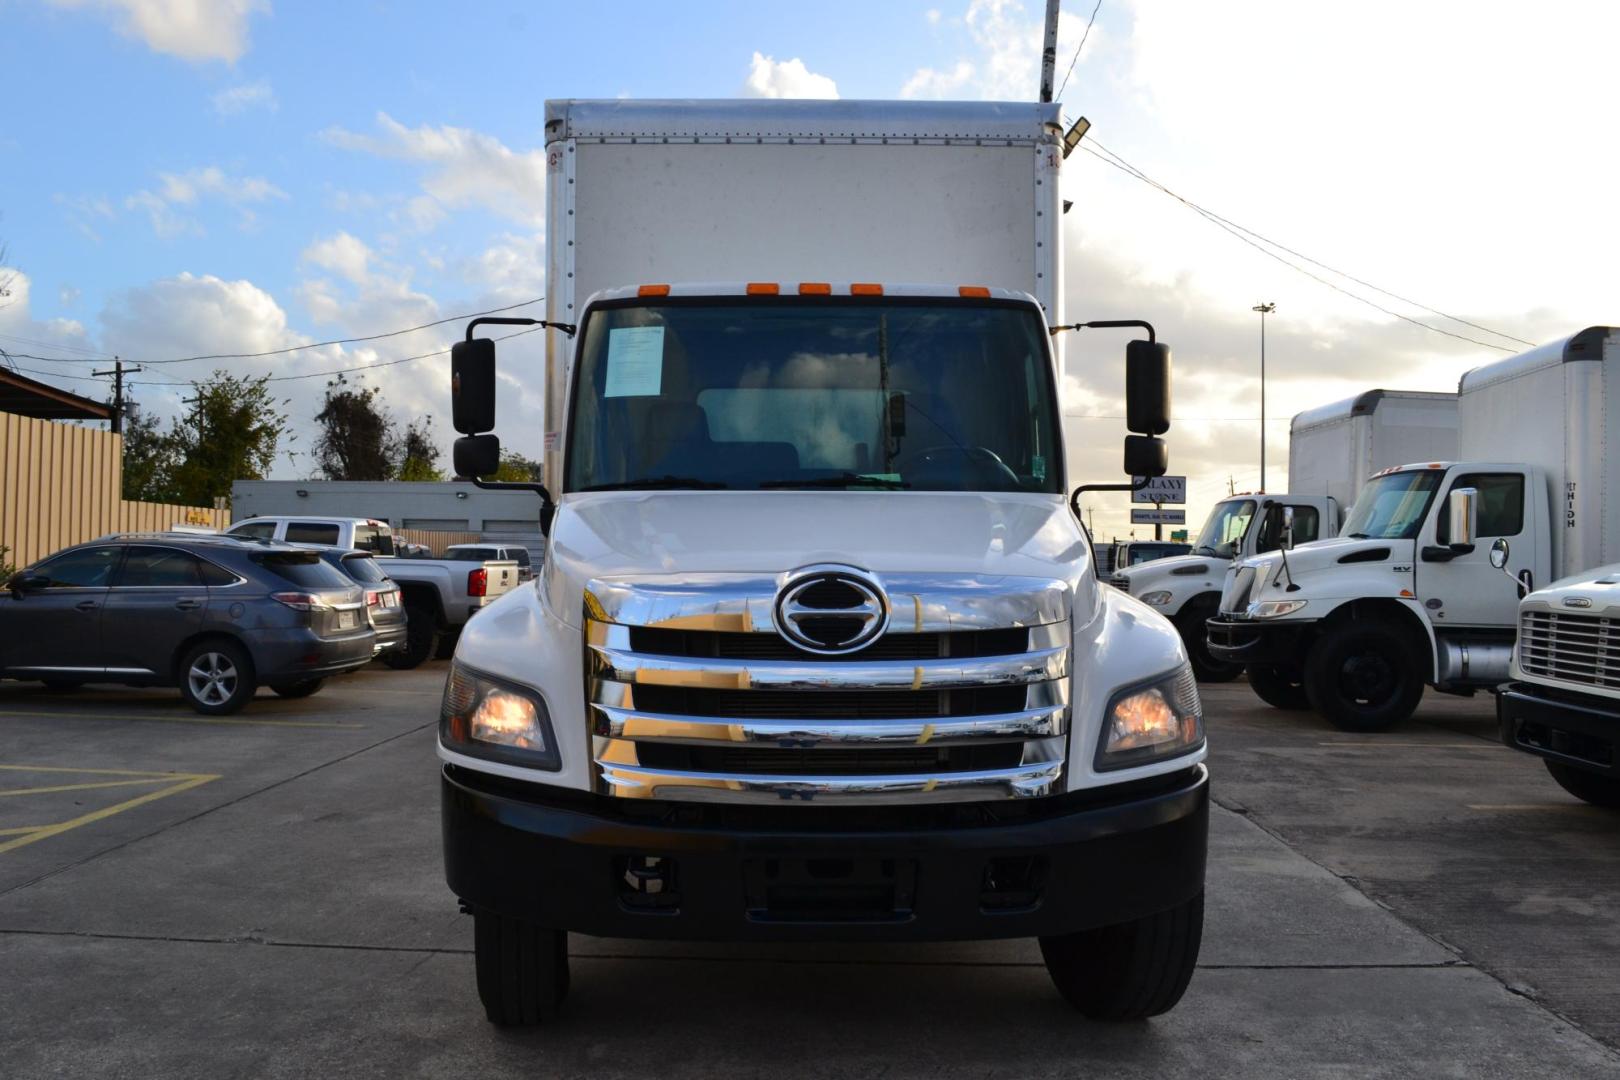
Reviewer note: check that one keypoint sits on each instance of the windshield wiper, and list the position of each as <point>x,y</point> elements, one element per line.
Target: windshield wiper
<point>647,483</point>
<point>1358,536</point>
<point>848,479</point>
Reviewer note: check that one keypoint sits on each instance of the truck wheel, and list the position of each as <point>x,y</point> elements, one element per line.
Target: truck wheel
<point>1278,686</point>
<point>1364,676</point>
<point>421,639</point>
<point>446,649</point>
<point>301,688</point>
<point>1129,971</point>
<point>1586,786</point>
<point>522,969</point>
<point>1206,666</point>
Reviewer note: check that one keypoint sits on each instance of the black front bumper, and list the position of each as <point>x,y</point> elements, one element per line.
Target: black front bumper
<point>1245,641</point>
<point>1576,729</point>
<point>799,873</point>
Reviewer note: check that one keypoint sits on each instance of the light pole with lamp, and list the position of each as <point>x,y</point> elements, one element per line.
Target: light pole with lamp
<point>1264,310</point>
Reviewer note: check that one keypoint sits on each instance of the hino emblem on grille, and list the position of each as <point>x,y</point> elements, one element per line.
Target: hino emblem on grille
<point>831,610</point>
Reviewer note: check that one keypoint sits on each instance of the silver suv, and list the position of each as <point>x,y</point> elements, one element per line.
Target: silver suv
<point>215,616</point>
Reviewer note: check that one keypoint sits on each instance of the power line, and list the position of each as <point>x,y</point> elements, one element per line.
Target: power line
<point>1076,56</point>
<point>300,348</point>
<point>1245,235</point>
<point>89,353</point>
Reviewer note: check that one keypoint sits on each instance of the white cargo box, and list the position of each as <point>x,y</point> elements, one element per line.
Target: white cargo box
<point>1333,449</point>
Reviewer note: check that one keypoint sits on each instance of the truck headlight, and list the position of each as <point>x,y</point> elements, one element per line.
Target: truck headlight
<point>1158,598</point>
<point>490,718</point>
<point>1151,721</point>
<point>1271,609</point>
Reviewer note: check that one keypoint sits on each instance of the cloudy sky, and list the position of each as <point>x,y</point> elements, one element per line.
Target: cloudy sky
<point>184,177</point>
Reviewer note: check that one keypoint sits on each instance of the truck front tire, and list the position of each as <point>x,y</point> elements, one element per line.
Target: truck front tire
<point>1132,970</point>
<point>1587,786</point>
<point>1363,675</point>
<point>522,969</point>
<point>1278,686</point>
<point>1206,666</point>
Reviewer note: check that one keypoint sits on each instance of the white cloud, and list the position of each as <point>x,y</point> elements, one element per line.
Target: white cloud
<point>465,168</point>
<point>342,254</point>
<point>512,269</point>
<point>186,188</point>
<point>165,222</point>
<point>1004,38</point>
<point>770,78</point>
<point>253,95</point>
<point>57,337</point>
<point>189,29</point>
<point>928,83</point>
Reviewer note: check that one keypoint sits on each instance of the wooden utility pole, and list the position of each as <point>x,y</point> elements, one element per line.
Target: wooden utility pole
<point>118,372</point>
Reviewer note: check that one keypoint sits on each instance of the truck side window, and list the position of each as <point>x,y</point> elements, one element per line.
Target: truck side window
<point>309,532</point>
<point>1307,524</point>
<point>1500,502</point>
<point>1307,527</point>
<point>263,530</point>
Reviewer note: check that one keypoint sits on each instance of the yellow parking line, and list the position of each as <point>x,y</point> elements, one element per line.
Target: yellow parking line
<point>78,787</point>
<point>97,772</point>
<point>187,782</point>
<point>220,721</point>
<point>22,829</point>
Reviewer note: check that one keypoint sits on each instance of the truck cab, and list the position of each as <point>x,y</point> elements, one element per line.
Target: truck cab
<point>1405,596</point>
<point>1187,589</point>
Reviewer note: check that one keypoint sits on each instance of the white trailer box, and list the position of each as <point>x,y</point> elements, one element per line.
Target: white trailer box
<point>794,191</point>
<point>1557,407</point>
<point>1332,449</point>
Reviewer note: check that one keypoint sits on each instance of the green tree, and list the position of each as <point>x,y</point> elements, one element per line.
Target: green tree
<point>357,435</point>
<point>516,467</point>
<point>149,459</point>
<point>418,452</point>
<point>234,431</point>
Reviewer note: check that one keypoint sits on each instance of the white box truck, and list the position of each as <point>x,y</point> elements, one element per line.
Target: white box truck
<point>816,650</point>
<point>1331,451</point>
<point>1408,593</point>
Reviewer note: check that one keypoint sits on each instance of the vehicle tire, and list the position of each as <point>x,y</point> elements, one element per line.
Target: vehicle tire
<point>301,688</point>
<point>522,969</point>
<point>1587,786</point>
<point>1129,971</point>
<point>421,639</point>
<point>446,649</point>
<point>216,677</point>
<point>1363,675</point>
<point>1278,686</point>
<point>61,686</point>
<point>1206,666</point>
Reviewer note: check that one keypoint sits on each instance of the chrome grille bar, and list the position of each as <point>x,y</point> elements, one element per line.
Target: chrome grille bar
<point>1583,649</point>
<point>1041,666</point>
<point>633,725</point>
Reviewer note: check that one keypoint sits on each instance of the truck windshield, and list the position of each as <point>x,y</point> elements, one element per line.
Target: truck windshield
<point>815,393</point>
<point>1224,529</point>
<point>1391,507</point>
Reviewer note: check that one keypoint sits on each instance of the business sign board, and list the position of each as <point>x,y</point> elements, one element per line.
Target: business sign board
<point>1161,489</point>
<point>1158,517</point>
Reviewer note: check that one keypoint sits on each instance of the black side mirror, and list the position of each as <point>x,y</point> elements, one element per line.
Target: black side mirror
<point>472,389</point>
<point>25,581</point>
<point>1285,539</point>
<point>477,455</point>
<point>1147,388</point>
<point>1146,456</point>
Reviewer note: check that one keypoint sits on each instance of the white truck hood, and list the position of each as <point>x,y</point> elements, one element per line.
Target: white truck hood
<point>1159,572</point>
<point>614,535</point>
<point>1596,592</point>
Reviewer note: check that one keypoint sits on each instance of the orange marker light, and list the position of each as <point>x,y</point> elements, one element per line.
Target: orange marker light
<point>653,290</point>
<point>814,288</point>
<point>865,288</point>
<point>973,290</point>
<point>763,288</point>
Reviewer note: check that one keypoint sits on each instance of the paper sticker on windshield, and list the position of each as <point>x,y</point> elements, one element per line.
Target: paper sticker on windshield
<point>1037,466</point>
<point>635,361</point>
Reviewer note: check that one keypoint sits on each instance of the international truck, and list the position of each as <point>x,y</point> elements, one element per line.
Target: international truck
<point>1331,450</point>
<point>1409,594</point>
<point>816,650</point>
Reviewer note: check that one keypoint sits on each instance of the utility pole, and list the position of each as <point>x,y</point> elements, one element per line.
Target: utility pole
<point>1264,310</point>
<point>118,372</point>
<point>1049,49</point>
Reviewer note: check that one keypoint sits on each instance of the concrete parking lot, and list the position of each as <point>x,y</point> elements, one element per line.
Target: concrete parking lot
<point>262,895</point>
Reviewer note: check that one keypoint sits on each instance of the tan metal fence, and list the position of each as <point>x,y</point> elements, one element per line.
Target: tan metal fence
<point>60,484</point>
<point>435,539</point>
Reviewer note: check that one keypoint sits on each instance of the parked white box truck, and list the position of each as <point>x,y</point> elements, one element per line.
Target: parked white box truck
<point>817,650</point>
<point>1331,451</point>
<point>1408,593</point>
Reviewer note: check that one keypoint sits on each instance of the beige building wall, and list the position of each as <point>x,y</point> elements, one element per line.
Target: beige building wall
<point>60,484</point>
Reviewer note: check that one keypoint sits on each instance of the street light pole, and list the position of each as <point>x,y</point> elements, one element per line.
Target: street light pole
<point>1264,310</point>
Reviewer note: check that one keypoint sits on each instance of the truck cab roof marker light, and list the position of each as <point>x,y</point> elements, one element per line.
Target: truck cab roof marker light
<point>814,288</point>
<point>763,288</point>
<point>865,288</point>
<point>653,290</point>
<point>979,291</point>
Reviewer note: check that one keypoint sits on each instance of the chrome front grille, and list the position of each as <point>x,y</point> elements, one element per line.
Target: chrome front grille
<point>694,696</point>
<point>1235,596</point>
<point>1570,648</point>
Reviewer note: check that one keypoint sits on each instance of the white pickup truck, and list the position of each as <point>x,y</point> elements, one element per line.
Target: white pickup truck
<point>440,594</point>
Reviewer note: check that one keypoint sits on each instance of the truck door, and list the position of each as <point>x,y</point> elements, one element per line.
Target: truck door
<point>1465,589</point>
<point>157,600</point>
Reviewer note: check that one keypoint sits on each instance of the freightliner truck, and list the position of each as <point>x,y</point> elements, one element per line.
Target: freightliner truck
<point>1410,594</point>
<point>1331,450</point>
<point>817,650</point>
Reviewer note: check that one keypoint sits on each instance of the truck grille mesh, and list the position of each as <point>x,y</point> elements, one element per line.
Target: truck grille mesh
<point>658,641</point>
<point>1570,648</point>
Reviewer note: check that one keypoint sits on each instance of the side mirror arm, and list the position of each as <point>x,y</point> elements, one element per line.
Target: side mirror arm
<point>548,507</point>
<point>1074,498</point>
<point>568,328</point>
